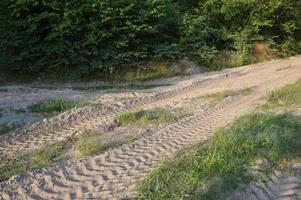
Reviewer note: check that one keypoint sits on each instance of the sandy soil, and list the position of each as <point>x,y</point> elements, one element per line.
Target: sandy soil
<point>282,185</point>
<point>113,175</point>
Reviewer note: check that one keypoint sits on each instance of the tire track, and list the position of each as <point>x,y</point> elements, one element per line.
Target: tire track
<point>104,117</point>
<point>281,185</point>
<point>113,174</point>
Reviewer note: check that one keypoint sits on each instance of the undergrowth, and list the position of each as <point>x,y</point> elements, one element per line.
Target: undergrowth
<point>163,71</point>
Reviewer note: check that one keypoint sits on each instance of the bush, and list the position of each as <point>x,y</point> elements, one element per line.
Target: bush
<point>76,38</point>
<point>237,25</point>
<point>58,36</point>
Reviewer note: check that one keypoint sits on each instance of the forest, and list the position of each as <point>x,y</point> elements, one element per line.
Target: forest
<point>75,39</point>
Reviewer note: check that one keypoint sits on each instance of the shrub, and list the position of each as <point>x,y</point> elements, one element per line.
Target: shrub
<point>238,25</point>
<point>84,35</point>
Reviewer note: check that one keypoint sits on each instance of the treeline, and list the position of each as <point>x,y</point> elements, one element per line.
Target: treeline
<point>106,36</point>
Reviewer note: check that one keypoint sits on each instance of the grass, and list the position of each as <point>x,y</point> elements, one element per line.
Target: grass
<point>210,170</point>
<point>37,159</point>
<point>143,117</point>
<point>289,95</point>
<point>56,106</point>
<point>163,70</point>
<point>89,144</point>
<point>7,127</point>
<point>219,96</point>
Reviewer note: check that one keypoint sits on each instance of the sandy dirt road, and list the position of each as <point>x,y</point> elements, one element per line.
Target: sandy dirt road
<point>113,175</point>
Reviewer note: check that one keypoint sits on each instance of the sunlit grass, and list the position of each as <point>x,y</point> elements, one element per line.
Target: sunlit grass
<point>143,117</point>
<point>289,95</point>
<point>212,169</point>
<point>89,143</point>
<point>56,106</point>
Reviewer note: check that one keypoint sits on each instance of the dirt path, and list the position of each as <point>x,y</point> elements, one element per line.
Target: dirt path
<point>113,174</point>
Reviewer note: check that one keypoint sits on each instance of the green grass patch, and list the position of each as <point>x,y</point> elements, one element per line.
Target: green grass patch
<point>56,106</point>
<point>143,117</point>
<point>89,144</point>
<point>211,169</point>
<point>289,95</point>
<point>219,96</point>
<point>7,127</point>
<point>37,159</point>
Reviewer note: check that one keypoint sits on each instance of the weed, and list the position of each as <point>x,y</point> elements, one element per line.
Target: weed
<point>289,95</point>
<point>7,127</point>
<point>56,106</point>
<point>12,167</point>
<point>46,156</point>
<point>143,117</point>
<point>89,144</point>
<point>213,168</point>
<point>37,159</point>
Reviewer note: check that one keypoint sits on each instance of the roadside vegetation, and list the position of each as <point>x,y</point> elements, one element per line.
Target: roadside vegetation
<point>212,33</point>
<point>56,106</point>
<point>288,96</point>
<point>249,149</point>
<point>144,117</point>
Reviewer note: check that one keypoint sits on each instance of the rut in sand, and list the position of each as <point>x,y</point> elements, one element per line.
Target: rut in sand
<point>113,175</point>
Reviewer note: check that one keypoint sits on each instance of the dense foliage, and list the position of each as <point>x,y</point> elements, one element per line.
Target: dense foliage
<point>86,35</point>
<point>103,35</point>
